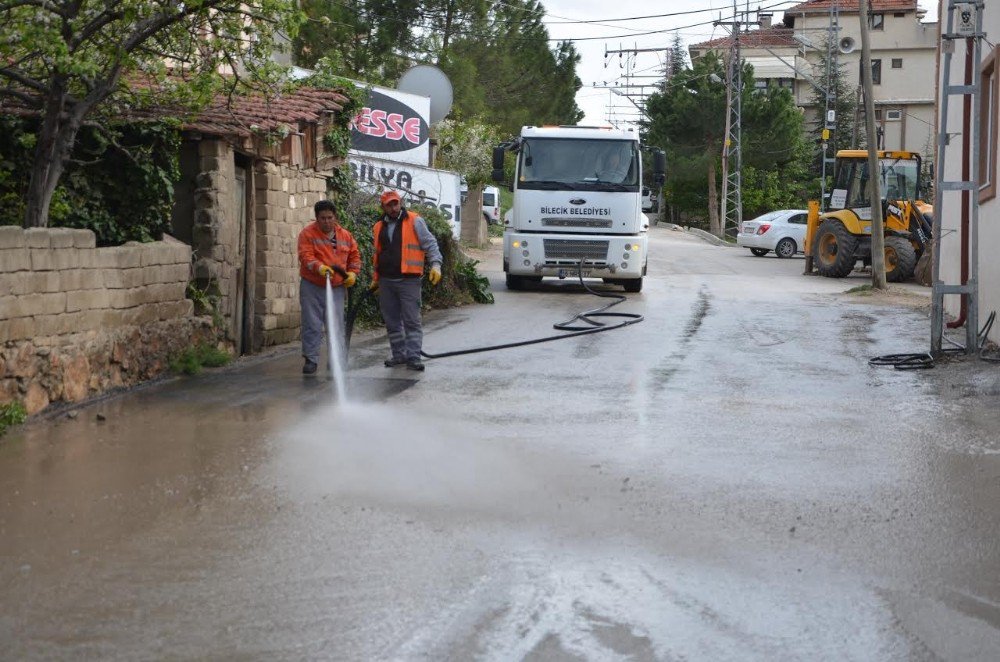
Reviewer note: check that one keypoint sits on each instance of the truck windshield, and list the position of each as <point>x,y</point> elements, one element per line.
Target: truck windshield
<point>579,164</point>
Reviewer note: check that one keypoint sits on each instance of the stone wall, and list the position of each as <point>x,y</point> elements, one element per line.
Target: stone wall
<point>284,200</point>
<point>215,236</point>
<point>77,320</point>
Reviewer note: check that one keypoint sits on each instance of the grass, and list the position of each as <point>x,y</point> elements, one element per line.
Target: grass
<point>11,413</point>
<point>194,358</point>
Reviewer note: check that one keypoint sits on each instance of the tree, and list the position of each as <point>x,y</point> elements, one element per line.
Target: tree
<point>688,119</point>
<point>844,102</point>
<point>66,61</point>
<point>678,57</point>
<point>369,40</point>
<point>503,68</point>
<point>467,147</point>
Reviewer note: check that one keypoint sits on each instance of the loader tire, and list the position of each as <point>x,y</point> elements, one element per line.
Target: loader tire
<point>900,259</point>
<point>834,252</point>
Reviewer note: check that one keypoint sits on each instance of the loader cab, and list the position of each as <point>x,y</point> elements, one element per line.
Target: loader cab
<point>899,179</point>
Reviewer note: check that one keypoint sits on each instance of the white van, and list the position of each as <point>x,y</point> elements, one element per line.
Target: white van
<point>491,204</point>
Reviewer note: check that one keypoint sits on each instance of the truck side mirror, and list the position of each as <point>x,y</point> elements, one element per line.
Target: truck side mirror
<point>498,155</point>
<point>659,167</point>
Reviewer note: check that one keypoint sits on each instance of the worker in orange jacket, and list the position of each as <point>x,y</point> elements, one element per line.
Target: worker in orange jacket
<point>327,251</point>
<point>403,245</point>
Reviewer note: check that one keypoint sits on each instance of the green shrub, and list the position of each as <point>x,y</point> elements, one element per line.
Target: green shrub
<point>196,357</point>
<point>12,413</point>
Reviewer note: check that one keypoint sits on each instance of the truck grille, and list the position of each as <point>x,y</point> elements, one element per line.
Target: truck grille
<point>577,222</point>
<point>575,249</point>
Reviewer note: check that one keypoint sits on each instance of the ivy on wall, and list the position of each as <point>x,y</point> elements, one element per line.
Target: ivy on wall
<point>119,182</point>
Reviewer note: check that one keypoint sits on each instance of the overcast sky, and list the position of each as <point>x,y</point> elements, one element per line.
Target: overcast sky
<point>607,32</point>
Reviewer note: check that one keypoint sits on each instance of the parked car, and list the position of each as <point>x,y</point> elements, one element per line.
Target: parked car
<point>783,232</point>
<point>648,199</point>
<point>491,204</point>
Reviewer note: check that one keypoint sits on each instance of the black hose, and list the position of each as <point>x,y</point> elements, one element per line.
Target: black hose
<point>924,360</point>
<point>586,317</point>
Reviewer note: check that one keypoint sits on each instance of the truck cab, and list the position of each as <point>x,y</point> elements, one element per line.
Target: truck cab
<point>577,206</point>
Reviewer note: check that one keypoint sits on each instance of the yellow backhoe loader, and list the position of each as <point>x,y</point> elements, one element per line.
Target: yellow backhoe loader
<point>839,237</point>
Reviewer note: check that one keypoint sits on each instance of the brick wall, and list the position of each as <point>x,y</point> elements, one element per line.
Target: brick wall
<point>285,197</point>
<point>77,320</point>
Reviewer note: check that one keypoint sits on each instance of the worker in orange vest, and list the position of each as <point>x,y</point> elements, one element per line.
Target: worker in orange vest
<point>326,251</point>
<point>403,245</point>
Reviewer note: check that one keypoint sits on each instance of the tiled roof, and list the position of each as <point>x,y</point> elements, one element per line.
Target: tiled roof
<point>771,37</point>
<point>240,116</point>
<point>247,115</point>
<point>851,6</point>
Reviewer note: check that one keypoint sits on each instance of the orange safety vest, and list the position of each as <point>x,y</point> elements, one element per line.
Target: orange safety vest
<point>412,258</point>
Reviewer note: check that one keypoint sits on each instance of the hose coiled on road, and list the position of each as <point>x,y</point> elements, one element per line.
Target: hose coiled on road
<point>589,323</point>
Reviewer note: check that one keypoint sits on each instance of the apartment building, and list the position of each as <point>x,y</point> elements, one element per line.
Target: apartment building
<point>903,51</point>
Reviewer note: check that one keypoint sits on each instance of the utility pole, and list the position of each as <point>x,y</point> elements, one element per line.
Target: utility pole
<point>732,151</point>
<point>874,189</point>
<point>829,112</point>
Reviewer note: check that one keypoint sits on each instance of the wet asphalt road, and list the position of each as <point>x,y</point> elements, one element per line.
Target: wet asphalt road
<point>728,480</point>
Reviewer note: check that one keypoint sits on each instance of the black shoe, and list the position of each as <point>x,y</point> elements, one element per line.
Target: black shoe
<point>309,367</point>
<point>415,364</point>
<point>392,363</point>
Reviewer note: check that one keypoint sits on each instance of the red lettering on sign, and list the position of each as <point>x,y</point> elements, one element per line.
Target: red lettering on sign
<point>411,130</point>
<point>378,124</point>
<point>395,122</point>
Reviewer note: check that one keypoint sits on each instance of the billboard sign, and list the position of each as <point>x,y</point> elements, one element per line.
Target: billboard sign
<point>393,124</point>
<point>419,186</point>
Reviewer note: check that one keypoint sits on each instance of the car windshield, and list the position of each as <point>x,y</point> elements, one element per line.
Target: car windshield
<point>579,164</point>
<point>488,200</point>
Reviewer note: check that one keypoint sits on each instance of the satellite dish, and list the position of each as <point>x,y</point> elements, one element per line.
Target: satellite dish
<point>429,81</point>
<point>846,45</point>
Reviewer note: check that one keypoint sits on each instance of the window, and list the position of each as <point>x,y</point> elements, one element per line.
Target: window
<point>786,83</point>
<point>893,115</point>
<point>876,72</point>
<point>988,131</point>
<point>798,219</point>
<point>897,63</point>
<point>877,21</point>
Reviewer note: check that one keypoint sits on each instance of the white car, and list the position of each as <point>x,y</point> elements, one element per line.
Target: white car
<point>783,232</point>
<point>491,204</point>
<point>648,199</point>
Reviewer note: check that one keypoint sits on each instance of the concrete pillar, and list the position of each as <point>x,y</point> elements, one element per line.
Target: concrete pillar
<point>474,232</point>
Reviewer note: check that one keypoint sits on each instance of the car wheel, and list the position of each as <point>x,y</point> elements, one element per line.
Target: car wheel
<point>785,248</point>
<point>759,252</point>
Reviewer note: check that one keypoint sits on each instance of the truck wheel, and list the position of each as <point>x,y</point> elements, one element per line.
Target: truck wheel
<point>900,259</point>
<point>515,282</point>
<point>632,285</point>
<point>834,252</point>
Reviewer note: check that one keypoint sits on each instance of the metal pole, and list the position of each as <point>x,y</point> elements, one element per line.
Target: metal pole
<point>875,193</point>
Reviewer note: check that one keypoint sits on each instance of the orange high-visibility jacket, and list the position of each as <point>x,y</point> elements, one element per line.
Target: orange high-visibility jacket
<point>316,249</point>
<point>412,259</point>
